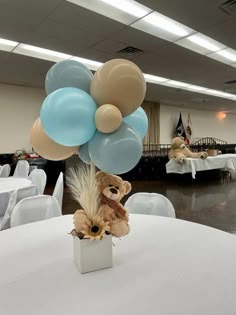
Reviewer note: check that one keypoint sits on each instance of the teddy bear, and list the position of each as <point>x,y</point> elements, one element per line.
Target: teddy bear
<point>112,189</point>
<point>180,152</point>
<point>113,216</point>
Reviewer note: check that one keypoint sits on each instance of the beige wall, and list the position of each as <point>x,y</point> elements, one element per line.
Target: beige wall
<point>204,124</point>
<point>19,108</point>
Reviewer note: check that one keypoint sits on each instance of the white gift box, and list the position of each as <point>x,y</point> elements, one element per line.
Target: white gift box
<point>91,255</point>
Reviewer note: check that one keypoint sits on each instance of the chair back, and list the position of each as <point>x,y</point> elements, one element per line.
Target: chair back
<point>38,178</point>
<point>17,195</point>
<point>150,203</point>
<point>22,169</point>
<point>59,189</point>
<point>5,170</point>
<point>34,209</point>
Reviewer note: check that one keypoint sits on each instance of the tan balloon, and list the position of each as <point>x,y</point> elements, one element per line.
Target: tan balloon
<point>46,147</point>
<point>108,118</point>
<point>121,83</point>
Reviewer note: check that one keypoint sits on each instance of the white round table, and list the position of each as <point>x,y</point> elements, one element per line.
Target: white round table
<point>7,186</point>
<point>13,183</point>
<point>164,266</point>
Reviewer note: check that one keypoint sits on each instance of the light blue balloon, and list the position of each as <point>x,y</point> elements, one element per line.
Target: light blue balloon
<point>68,73</point>
<point>67,116</point>
<point>116,152</point>
<point>138,121</point>
<point>84,154</point>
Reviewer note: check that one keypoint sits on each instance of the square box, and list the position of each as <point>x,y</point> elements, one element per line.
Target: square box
<point>92,255</point>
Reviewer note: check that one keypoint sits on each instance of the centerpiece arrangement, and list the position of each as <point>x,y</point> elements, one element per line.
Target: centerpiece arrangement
<point>99,117</point>
<point>101,215</point>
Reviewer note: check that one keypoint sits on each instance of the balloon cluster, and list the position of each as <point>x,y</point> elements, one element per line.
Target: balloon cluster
<point>99,116</point>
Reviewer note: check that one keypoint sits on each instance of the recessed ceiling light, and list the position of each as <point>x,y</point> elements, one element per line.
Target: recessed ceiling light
<point>7,45</point>
<point>42,53</point>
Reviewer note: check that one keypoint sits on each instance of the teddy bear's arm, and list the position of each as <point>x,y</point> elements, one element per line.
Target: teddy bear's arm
<point>198,155</point>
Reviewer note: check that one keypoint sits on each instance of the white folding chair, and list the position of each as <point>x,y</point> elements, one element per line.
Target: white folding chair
<point>22,169</point>
<point>38,178</point>
<point>34,209</point>
<point>150,203</point>
<point>59,189</point>
<point>5,170</point>
<point>18,195</point>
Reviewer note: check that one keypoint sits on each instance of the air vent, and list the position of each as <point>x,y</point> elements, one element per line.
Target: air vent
<point>230,87</point>
<point>229,7</point>
<point>130,52</point>
<point>230,82</point>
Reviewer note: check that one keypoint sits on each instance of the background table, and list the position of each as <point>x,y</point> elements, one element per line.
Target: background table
<point>164,266</point>
<point>224,161</point>
<point>7,186</point>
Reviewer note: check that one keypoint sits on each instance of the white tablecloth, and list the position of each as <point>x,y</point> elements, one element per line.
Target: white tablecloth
<point>164,266</point>
<point>7,186</point>
<point>224,161</point>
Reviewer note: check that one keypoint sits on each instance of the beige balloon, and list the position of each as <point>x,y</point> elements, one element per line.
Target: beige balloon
<point>119,82</point>
<point>46,147</point>
<point>108,118</point>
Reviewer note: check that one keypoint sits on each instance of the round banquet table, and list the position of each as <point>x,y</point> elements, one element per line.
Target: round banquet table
<point>164,266</point>
<point>7,186</point>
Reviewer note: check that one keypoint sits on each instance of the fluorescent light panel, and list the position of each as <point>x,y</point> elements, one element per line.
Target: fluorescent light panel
<point>229,54</point>
<point>205,41</point>
<point>220,94</point>
<point>163,22</point>
<point>123,11</point>
<point>174,83</point>
<point>55,56</point>
<point>196,88</point>
<point>163,27</point>
<point>91,64</point>
<point>7,45</point>
<point>129,6</point>
<point>154,79</point>
<point>41,53</point>
<point>145,19</point>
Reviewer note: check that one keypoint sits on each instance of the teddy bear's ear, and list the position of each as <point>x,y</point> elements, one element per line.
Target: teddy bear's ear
<point>100,175</point>
<point>127,186</point>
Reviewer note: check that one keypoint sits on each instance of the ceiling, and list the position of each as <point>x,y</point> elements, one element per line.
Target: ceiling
<point>62,26</point>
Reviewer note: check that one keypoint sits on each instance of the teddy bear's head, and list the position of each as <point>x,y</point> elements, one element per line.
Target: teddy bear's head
<point>112,186</point>
<point>178,143</point>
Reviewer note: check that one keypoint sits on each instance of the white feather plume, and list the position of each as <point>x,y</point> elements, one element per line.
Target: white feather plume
<point>83,186</point>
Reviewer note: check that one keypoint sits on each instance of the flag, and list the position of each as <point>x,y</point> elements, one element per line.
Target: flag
<point>188,130</point>
<point>179,130</point>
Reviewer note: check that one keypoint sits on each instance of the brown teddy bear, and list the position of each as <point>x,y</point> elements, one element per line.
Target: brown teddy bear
<point>180,152</point>
<point>111,216</point>
<point>112,189</point>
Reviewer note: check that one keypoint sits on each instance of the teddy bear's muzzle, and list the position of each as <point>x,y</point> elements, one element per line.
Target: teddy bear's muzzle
<point>113,190</point>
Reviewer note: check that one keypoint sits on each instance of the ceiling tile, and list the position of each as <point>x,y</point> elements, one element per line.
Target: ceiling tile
<point>77,17</point>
